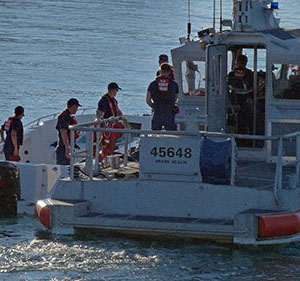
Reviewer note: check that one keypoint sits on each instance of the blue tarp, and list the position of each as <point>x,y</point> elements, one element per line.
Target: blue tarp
<point>215,161</point>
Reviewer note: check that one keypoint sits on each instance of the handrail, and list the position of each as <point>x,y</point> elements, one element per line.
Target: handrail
<point>54,115</point>
<point>279,165</point>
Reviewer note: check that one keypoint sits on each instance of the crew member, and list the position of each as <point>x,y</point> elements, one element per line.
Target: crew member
<point>65,119</point>
<point>165,59</point>
<point>241,81</point>
<point>108,105</point>
<point>190,75</point>
<point>241,71</point>
<point>14,135</point>
<point>161,96</point>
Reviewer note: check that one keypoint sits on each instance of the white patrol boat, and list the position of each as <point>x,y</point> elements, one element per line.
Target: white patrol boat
<point>230,172</point>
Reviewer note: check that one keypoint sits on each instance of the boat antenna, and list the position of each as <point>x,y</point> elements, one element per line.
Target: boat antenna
<point>214,16</point>
<point>189,25</point>
<point>221,15</point>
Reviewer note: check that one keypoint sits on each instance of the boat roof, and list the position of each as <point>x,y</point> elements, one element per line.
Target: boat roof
<point>284,34</point>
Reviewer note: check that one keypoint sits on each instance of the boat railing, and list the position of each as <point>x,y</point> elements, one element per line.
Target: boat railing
<point>95,128</point>
<point>40,121</point>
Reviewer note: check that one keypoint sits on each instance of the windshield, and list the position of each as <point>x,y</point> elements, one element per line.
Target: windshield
<point>286,81</point>
<point>193,78</point>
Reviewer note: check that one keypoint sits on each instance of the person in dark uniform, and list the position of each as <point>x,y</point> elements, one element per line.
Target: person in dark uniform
<point>242,72</point>
<point>165,59</point>
<point>240,82</point>
<point>161,96</point>
<point>65,119</point>
<point>14,138</point>
<point>108,105</point>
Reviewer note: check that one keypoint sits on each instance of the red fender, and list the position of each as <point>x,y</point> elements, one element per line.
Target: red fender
<point>42,212</point>
<point>278,225</point>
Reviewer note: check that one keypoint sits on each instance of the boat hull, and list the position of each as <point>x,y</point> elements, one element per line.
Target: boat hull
<point>171,209</point>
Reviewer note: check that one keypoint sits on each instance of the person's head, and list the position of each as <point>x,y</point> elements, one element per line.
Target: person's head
<point>73,105</point>
<point>19,112</point>
<point>113,89</point>
<point>163,58</point>
<point>241,61</point>
<point>240,66</point>
<point>165,69</point>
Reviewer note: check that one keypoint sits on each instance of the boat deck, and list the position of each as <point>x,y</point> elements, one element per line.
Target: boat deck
<point>255,174</point>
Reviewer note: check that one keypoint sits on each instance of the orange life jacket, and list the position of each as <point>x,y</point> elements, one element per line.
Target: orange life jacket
<point>113,106</point>
<point>108,137</point>
<point>7,123</point>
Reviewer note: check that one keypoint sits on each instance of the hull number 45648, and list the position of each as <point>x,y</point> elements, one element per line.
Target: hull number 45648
<point>171,152</point>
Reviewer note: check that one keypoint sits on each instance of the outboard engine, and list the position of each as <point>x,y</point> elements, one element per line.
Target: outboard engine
<point>9,189</point>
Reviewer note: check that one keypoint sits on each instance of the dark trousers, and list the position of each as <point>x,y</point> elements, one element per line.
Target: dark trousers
<point>61,158</point>
<point>166,120</point>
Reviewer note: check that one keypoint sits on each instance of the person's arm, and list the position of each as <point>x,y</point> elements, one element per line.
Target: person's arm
<point>148,99</point>
<point>64,136</point>
<point>15,142</point>
<point>100,114</point>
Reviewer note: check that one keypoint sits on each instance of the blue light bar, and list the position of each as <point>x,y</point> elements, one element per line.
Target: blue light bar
<point>274,5</point>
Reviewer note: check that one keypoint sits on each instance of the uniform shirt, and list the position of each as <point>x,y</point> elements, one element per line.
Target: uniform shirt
<point>16,124</point>
<point>63,122</point>
<point>248,77</point>
<point>103,105</point>
<point>163,103</point>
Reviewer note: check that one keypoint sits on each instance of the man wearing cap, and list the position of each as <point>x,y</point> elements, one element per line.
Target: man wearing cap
<point>108,105</point>
<point>163,58</point>
<point>14,135</point>
<point>65,119</point>
<point>161,96</point>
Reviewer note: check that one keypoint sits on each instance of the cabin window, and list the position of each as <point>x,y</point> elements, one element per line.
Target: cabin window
<point>193,78</point>
<point>286,81</point>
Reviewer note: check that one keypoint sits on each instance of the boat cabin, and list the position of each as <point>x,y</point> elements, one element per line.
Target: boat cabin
<point>216,98</point>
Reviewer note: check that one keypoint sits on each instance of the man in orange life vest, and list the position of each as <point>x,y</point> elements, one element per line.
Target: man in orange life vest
<point>14,135</point>
<point>108,107</point>
<point>161,96</point>
<point>65,119</point>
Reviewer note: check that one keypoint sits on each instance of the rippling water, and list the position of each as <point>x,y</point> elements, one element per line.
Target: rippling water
<point>25,257</point>
<point>53,50</point>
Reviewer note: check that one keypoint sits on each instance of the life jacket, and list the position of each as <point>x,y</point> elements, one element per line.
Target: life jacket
<point>73,121</point>
<point>113,106</point>
<point>109,138</point>
<point>163,84</point>
<point>163,87</point>
<point>7,123</point>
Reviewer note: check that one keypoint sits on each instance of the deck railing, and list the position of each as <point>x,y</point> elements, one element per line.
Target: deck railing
<point>95,128</point>
<point>38,121</point>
